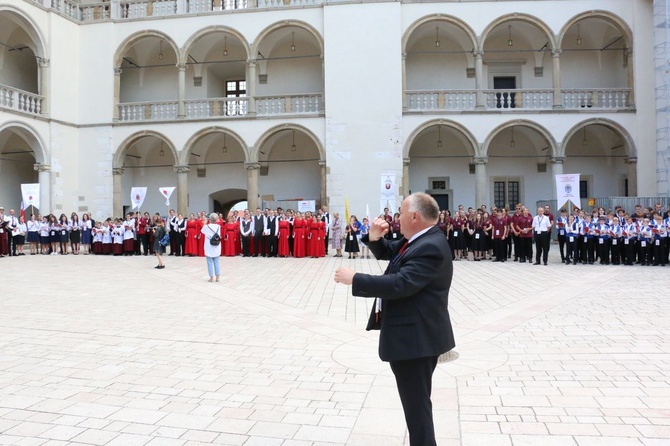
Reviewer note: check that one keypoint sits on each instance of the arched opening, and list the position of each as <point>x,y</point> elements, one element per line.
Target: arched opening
<point>289,70</point>
<point>440,156</point>
<point>518,64</point>
<point>519,164</point>
<point>148,84</point>
<point>439,65</point>
<point>216,74</point>
<point>290,166</point>
<point>22,80</point>
<point>226,199</point>
<point>596,63</point>
<point>146,160</point>
<point>599,152</point>
<point>17,159</point>
<point>217,176</point>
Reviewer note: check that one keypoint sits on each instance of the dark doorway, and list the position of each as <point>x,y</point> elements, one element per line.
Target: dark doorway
<point>442,200</point>
<point>507,99</point>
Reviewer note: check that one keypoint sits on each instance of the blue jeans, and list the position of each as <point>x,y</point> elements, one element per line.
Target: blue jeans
<point>213,267</point>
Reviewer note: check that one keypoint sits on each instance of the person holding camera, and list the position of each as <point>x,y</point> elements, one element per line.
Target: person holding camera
<point>212,233</point>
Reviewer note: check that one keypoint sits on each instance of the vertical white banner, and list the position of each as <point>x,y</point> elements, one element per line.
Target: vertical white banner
<point>166,192</point>
<point>137,195</point>
<point>388,190</point>
<point>567,189</point>
<point>30,194</point>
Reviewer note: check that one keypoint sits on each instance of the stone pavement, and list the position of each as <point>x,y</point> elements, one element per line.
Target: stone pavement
<point>109,351</point>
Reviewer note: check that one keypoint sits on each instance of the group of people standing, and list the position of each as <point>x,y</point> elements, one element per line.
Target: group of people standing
<point>614,237</point>
<point>48,235</point>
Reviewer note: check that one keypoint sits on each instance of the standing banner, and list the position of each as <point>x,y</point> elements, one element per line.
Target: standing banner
<point>388,188</point>
<point>567,189</point>
<point>166,192</point>
<point>30,194</point>
<point>137,195</point>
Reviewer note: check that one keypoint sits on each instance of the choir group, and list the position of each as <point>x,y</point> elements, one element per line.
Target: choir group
<point>616,237</point>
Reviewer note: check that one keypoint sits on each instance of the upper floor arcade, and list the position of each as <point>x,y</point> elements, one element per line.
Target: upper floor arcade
<point>518,63</point>
<point>515,62</point>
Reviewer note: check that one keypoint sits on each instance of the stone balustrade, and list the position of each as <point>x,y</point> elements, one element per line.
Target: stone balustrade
<point>598,98</point>
<point>148,111</point>
<point>441,100</point>
<point>289,104</point>
<point>19,100</point>
<point>501,100</point>
<point>216,108</point>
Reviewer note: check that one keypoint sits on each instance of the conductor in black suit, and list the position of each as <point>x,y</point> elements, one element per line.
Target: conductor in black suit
<point>410,306</point>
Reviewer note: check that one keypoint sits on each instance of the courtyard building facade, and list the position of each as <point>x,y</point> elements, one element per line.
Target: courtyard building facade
<point>477,102</point>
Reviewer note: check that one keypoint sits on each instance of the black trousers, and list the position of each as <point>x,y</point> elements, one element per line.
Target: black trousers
<point>561,244</point>
<point>259,245</point>
<point>180,239</point>
<point>526,249</point>
<point>246,243</point>
<point>414,379</point>
<point>542,246</point>
<point>273,245</point>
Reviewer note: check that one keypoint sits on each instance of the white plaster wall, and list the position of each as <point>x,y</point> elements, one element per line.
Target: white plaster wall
<point>364,121</point>
<point>96,71</point>
<point>65,85</point>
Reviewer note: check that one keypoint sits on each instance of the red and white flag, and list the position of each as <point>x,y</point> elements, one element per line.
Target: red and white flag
<point>167,192</point>
<point>137,195</point>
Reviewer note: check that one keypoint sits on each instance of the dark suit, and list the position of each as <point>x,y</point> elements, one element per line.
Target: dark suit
<point>415,325</point>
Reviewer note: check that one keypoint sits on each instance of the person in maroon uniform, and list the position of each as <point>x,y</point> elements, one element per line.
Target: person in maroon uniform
<point>525,228</point>
<point>499,236</point>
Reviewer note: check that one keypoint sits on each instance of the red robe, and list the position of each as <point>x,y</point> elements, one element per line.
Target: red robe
<point>315,240</point>
<point>191,248</point>
<point>229,238</point>
<point>299,238</point>
<point>238,237</point>
<point>201,239</point>
<point>284,233</point>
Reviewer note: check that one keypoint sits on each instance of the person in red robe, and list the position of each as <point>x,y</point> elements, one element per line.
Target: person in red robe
<point>284,232</point>
<point>315,240</point>
<point>199,224</point>
<point>321,249</point>
<point>191,248</point>
<point>230,237</point>
<point>299,236</point>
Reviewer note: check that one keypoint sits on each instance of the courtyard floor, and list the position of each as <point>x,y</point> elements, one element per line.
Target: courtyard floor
<point>110,351</point>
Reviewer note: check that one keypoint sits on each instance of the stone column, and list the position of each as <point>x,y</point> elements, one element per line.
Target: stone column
<point>557,165</point>
<point>182,91</point>
<point>324,178</point>
<point>556,73</point>
<point>44,173</point>
<point>44,84</point>
<point>405,177</point>
<point>479,81</point>
<point>252,185</point>
<point>117,192</point>
<point>405,104</point>
<point>251,88</point>
<point>117,93</point>
<point>631,162</point>
<point>481,182</point>
<point>182,189</point>
<point>631,79</point>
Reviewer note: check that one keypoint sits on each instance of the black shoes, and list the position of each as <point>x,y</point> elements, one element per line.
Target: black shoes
<point>159,266</point>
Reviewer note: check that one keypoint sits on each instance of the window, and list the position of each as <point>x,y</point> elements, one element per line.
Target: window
<point>583,189</point>
<point>506,193</point>
<point>236,89</point>
<point>505,99</point>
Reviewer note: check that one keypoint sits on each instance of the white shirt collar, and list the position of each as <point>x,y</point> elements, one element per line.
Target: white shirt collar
<point>419,234</point>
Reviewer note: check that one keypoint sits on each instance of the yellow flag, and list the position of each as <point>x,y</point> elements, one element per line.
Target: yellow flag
<point>346,210</point>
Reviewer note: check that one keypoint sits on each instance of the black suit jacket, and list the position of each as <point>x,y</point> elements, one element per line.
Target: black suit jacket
<point>415,295</point>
